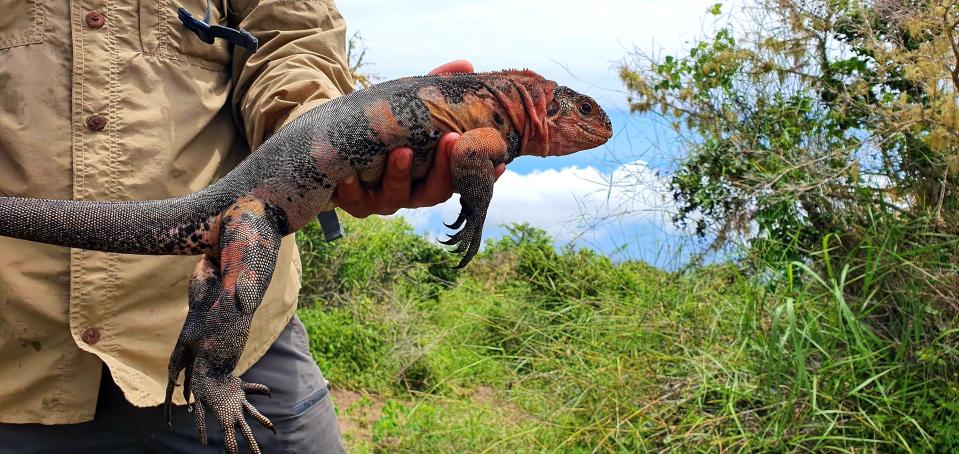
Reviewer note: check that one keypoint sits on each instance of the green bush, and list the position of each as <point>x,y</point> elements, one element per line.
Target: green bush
<point>354,353</point>
<point>558,276</point>
<point>369,260</point>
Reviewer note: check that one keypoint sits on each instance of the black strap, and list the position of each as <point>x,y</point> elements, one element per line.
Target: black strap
<point>330,224</point>
<point>207,32</point>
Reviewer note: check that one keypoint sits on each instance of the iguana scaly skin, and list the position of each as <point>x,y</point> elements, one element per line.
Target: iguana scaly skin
<point>237,223</point>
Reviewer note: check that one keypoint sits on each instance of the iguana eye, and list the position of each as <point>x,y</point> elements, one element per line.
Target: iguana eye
<point>552,108</point>
<point>585,108</point>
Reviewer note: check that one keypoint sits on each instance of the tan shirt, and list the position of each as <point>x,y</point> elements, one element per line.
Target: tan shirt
<point>171,104</point>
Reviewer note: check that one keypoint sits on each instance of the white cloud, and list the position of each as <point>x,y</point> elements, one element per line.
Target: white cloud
<point>568,203</point>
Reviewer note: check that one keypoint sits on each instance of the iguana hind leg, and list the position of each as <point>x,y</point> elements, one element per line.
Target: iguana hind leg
<point>249,244</point>
<point>471,163</point>
<point>205,286</point>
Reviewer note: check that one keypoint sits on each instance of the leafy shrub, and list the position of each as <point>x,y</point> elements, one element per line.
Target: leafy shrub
<point>355,353</point>
<point>559,276</point>
<point>818,118</point>
<point>368,261</point>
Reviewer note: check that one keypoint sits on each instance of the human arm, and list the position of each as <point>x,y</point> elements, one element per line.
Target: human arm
<point>301,62</point>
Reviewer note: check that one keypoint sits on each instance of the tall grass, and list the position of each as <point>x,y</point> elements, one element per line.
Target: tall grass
<point>535,349</point>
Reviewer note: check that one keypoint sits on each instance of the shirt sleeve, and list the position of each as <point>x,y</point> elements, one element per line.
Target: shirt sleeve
<point>301,62</point>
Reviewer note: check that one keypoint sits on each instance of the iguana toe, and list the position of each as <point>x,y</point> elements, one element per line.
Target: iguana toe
<point>225,397</point>
<point>468,239</point>
<point>181,359</point>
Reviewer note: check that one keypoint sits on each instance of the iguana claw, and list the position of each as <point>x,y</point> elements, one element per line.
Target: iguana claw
<point>464,214</point>
<point>225,396</point>
<point>469,238</point>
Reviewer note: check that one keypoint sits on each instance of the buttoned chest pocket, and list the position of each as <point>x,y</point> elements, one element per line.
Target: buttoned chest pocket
<point>164,36</point>
<point>21,22</point>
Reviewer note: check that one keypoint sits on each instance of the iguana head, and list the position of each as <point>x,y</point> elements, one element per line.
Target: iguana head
<point>553,120</point>
<point>573,122</point>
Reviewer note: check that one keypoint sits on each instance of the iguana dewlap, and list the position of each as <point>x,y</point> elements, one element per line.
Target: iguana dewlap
<point>237,223</point>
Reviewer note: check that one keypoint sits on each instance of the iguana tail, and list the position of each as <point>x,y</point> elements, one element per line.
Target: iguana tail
<point>178,226</point>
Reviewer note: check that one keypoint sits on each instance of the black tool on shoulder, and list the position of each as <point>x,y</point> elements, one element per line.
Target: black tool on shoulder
<point>208,32</point>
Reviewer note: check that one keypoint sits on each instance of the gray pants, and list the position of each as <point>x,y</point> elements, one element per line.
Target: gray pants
<point>300,409</point>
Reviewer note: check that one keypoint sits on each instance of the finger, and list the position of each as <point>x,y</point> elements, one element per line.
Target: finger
<point>256,388</point>
<point>499,171</point>
<point>447,141</point>
<point>229,438</point>
<point>352,197</point>
<point>188,377</point>
<point>438,186</point>
<point>176,365</point>
<point>248,434</point>
<point>199,415</point>
<point>460,218</point>
<point>395,189</point>
<point>349,191</point>
<point>263,420</point>
<point>455,66</point>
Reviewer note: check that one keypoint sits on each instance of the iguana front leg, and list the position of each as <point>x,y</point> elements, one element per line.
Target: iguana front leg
<point>249,246</point>
<point>473,162</point>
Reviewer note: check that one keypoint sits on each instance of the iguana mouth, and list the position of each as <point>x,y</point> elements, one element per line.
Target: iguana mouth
<point>589,131</point>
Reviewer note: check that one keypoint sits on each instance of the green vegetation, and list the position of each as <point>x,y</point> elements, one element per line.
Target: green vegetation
<point>822,138</point>
<point>821,143</point>
<point>533,349</point>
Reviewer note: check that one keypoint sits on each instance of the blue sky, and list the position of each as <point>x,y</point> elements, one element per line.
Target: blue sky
<point>576,45</point>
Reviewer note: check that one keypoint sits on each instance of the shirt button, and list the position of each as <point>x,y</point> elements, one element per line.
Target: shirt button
<point>96,122</point>
<point>91,336</point>
<point>95,20</point>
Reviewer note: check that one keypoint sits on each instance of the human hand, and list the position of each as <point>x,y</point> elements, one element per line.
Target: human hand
<point>396,189</point>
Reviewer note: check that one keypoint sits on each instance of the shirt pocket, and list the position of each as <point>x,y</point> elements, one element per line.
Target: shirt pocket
<point>21,22</point>
<point>164,36</point>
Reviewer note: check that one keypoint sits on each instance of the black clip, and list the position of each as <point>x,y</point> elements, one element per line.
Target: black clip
<point>331,225</point>
<point>207,33</point>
